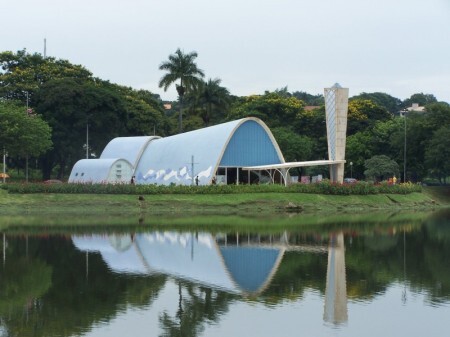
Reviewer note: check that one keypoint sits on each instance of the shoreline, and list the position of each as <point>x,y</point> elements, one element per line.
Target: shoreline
<point>190,204</point>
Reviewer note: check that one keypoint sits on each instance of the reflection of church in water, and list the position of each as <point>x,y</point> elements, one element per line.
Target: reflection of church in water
<point>242,264</point>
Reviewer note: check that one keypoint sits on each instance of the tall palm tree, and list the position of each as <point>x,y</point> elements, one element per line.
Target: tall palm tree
<point>212,96</point>
<point>181,67</point>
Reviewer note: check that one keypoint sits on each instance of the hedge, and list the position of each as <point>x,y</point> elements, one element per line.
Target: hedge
<point>323,187</point>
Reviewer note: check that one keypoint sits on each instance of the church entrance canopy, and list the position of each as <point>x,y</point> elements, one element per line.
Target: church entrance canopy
<point>283,168</point>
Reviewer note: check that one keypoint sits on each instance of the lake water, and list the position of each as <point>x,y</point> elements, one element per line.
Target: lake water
<point>347,279</point>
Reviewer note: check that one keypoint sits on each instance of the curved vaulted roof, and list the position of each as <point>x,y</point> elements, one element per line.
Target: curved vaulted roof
<point>244,142</point>
<point>129,148</point>
<point>98,170</point>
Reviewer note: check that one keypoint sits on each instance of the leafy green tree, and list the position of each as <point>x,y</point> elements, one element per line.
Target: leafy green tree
<point>380,167</point>
<point>438,114</point>
<point>212,99</point>
<point>420,98</point>
<point>363,114</point>
<point>390,103</point>
<point>417,132</point>
<point>437,154</point>
<point>311,123</point>
<point>24,73</point>
<point>284,92</point>
<point>293,146</point>
<point>273,109</point>
<point>382,138</point>
<point>385,138</point>
<point>181,67</point>
<point>144,114</point>
<point>359,148</point>
<point>313,100</point>
<point>418,129</point>
<point>193,122</point>
<point>70,107</point>
<point>23,134</point>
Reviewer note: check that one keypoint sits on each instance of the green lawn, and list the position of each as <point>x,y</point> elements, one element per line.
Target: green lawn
<point>219,203</point>
<point>221,211</point>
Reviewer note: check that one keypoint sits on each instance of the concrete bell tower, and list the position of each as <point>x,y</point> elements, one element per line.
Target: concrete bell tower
<point>336,108</point>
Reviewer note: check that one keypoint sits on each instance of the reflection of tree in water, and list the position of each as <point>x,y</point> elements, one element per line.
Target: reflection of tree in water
<point>75,300</point>
<point>374,261</point>
<point>297,273</point>
<point>417,258</point>
<point>201,306</point>
<point>23,282</point>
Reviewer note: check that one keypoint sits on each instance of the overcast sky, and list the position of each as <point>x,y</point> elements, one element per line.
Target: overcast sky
<point>399,47</point>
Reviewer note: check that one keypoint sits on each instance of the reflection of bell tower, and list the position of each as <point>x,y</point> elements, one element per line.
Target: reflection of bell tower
<point>336,108</point>
<point>336,289</point>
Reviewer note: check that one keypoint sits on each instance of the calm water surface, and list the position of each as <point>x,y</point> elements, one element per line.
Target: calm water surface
<point>389,279</point>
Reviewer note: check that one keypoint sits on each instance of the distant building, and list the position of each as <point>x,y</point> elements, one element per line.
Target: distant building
<point>413,108</point>
<point>311,107</point>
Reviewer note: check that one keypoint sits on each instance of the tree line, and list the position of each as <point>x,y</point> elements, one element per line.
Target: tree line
<point>57,113</point>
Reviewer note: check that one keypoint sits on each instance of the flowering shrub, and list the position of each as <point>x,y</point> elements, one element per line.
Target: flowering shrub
<point>323,187</point>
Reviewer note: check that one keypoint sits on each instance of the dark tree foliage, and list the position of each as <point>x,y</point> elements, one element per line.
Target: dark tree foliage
<point>293,146</point>
<point>312,100</point>
<point>23,73</point>
<point>363,115</point>
<point>74,108</point>
<point>437,154</point>
<point>388,102</point>
<point>210,101</point>
<point>62,291</point>
<point>420,98</point>
<point>380,168</point>
<point>272,108</point>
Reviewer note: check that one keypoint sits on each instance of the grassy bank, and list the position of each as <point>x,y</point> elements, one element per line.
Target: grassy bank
<point>219,211</point>
<point>53,203</point>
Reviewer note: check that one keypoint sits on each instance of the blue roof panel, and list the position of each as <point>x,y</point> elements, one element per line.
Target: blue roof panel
<point>250,145</point>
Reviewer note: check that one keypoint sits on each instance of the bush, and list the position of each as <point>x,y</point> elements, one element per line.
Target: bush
<point>323,187</point>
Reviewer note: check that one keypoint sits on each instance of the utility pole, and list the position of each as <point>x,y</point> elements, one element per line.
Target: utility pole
<point>192,170</point>
<point>45,48</point>
<point>4,164</point>
<point>404,151</point>
<point>87,139</point>
<point>26,164</point>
